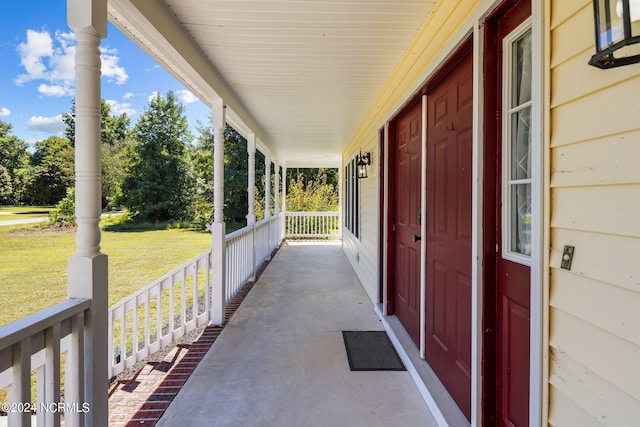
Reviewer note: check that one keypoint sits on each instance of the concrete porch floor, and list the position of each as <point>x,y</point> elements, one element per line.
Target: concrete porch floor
<point>281,359</point>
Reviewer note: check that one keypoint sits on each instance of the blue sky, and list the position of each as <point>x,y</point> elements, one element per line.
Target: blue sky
<point>37,76</point>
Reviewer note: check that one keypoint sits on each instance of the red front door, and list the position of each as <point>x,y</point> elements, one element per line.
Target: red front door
<point>449,231</point>
<point>511,100</point>
<point>406,152</point>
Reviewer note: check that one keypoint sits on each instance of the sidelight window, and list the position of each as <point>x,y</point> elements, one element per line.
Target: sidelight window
<point>517,105</point>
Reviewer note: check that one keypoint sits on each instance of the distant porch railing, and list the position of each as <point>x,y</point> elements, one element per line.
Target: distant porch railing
<point>312,225</point>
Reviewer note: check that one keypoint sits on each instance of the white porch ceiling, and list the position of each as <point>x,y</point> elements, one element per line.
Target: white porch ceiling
<point>300,74</point>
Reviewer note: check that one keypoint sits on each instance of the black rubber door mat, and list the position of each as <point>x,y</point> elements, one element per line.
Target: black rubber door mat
<point>371,351</point>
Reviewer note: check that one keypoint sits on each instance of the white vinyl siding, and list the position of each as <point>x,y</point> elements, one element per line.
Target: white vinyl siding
<point>594,310</point>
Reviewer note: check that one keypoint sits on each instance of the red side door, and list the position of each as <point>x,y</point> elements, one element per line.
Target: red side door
<point>510,38</point>
<point>405,229</point>
<point>449,231</point>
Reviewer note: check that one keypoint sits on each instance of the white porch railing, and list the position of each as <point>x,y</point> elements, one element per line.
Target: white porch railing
<point>240,263</point>
<point>181,301</point>
<point>36,342</point>
<point>140,324</point>
<point>312,225</point>
<point>159,313</point>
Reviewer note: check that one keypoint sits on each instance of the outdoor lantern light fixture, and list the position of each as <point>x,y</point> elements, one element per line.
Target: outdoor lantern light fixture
<point>617,25</point>
<point>363,160</point>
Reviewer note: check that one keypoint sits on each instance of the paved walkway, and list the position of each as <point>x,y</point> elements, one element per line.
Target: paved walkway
<point>281,359</point>
<point>23,221</point>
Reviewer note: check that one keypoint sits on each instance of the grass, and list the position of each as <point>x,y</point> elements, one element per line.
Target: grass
<point>33,263</point>
<point>23,212</point>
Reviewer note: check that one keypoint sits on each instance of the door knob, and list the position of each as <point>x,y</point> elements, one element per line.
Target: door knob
<point>416,238</point>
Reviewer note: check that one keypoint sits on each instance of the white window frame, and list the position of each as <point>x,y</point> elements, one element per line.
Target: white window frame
<point>507,110</point>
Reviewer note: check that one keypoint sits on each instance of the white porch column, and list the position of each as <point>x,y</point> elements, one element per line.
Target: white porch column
<point>251,190</point>
<point>267,199</point>
<point>340,198</point>
<point>218,229</point>
<point>267,185</point>
<point>276,190</point>
<point>276,204</point>
<point>88,268</point>
<point>251,194</point>
<point>283,230</point>
<point>284,189</point>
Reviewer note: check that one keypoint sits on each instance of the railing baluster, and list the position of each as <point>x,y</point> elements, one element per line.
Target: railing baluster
<point>52,374</point>
<point>134,328</point>
<point>20,390</point>
<point>183,299</point>
<point>74,371</point>
<point>172,300</point>
<point>147,320</point>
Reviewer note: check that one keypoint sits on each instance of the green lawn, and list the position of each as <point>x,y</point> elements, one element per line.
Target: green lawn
<point>23,212</point>
<point>33,263</point>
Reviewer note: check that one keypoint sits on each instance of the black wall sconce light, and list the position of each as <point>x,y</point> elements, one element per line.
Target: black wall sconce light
<point>617,25</point>
<point>362,161</point>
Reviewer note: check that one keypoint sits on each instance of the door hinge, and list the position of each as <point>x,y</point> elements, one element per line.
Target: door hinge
<point>497,248</point>
<point>393,227</point>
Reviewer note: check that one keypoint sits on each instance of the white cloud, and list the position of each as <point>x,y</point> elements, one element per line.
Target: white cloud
<point>4,112</point>
<point>153,96</point>
<point>110,67</point>
<point>55,90</point>
<point>38,46</point>
<point>186,96</point>
<point>53,125</point>
<point>52,59</point>
<point>128,95</point>
<point>118,108</point>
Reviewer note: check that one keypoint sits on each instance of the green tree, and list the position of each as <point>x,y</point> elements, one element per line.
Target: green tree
<point>115,160</point>
<point>51,172</point>
<point>14,158</point>
<point>316,195</point>
<point>114,130</point>
<point>157,187</point>
<point>6,188</point>
<point>235,174</point>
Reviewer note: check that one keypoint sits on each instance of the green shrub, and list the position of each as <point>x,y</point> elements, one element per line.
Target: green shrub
<point>64,213</point>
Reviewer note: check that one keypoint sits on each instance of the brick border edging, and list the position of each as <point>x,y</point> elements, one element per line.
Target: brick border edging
<point>153,388</point>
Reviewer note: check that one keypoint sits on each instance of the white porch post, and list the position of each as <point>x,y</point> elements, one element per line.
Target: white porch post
<point>284,189</point>
<point>340,203</point>
<point>88,268</point>
<point>283,231</point>
<point>267,185</point>
<point>267,199</point>
<point>218,227</point>
<point>276,189</point>
<point>251,194</point>
<point>276,203</point>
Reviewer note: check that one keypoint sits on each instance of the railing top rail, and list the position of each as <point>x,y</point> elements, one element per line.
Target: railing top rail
<point>263,222</point>
<point>325,213</point>
<point>239,232</point>
<point>23,328</point>
<point>159,280</point>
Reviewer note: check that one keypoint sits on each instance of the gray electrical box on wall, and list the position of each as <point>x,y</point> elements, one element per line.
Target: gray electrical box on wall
<point>567,257</point>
